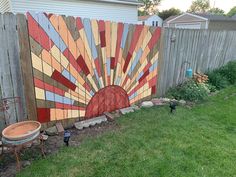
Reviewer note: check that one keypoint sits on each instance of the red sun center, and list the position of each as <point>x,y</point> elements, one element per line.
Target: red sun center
<point>108,99</point>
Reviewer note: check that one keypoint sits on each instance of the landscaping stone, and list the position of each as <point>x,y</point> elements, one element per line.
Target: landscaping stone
<point>147,104</point>
<point>182,102</point>
<point>28,145</point>
<point>25,163</point>
<point>126,110</point>
<point>158,102</point>
<point>51,131</point>
<point>90,122</point>
<point>135,107</point>
<point>60,128</point>
<point>45,137</point>
<point>166,100</point>
<point>109,116</point>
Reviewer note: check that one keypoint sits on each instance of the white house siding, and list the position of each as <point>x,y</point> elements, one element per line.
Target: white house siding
<point>5,6</point>
<point>86,9</point>
<point>154,19</point>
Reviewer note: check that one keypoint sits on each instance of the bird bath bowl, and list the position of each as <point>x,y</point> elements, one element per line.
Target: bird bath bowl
<point>21,130</point>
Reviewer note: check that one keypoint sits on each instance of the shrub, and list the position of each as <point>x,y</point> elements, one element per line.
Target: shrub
<point>229,72</point>
<point>211,87</point>
<point>190,91</point>
<point>223,76</point>
<point>217,79</point>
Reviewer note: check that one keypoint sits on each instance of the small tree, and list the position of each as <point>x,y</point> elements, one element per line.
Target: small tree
<point>199,6</point>
<point>149,7</point>
<point>232,12</point>
<point>170,12</point>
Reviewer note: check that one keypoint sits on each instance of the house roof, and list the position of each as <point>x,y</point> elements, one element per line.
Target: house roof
<point>144,18</point>
<point>170,18</point>
<point>131,2</point>
<point>210,17</point>
<point>213,17</point>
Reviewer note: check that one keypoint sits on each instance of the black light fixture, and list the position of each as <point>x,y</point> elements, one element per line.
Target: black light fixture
<point>173,105</point>
<point>66,137</point>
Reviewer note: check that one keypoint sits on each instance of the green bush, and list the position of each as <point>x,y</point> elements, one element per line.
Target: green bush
<point>229,72</point>
<point>217,79</point>
<point>211,87</point>
<point>190,91</point>
<point>223,76</point>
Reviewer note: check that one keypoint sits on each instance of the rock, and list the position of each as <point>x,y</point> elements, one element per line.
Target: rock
<point>135,107</point>
<point>28,145</point>
<point>109,116</point>
<point>44,137</point>
<point>158,102</point>
<point>60,128</point>
<point>166,100</point>
<point>25,163</point>
<point>147,104</point>
<point>182,102</point>
<point>90,122</point>
<point>51,131</point>
<point>126,110</point>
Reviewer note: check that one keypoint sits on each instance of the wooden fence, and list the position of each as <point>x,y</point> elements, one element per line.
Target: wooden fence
<point>10,69</point>
<point>64,67</point>
<point>200,50</point>
<point>31,53</point>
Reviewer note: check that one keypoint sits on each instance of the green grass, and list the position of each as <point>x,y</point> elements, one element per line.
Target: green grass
<point>151,142</point>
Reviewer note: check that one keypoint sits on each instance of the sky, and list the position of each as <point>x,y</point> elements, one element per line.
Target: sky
<point>183,5</point>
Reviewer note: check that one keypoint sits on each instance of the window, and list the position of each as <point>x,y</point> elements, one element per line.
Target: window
<point>153,23</point>
<point>156,23</point>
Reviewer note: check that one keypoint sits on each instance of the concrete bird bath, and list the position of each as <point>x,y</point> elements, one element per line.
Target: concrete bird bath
<point>21,130</point>
<point>21,134</point>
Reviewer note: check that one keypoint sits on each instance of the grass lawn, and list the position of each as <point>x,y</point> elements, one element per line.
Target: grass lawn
<point>151,142</point>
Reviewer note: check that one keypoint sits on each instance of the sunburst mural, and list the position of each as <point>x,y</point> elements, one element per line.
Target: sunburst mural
<point>83,67</point>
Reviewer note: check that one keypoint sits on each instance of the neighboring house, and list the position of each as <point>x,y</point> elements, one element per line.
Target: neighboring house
<point>113,10</point>
<point>201,21</point>
<point>150,20</point>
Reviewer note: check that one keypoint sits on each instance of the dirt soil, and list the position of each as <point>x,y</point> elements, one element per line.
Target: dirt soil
<point>52,145</point>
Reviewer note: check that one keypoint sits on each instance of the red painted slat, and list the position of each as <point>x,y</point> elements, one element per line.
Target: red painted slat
<point>40,84</point>
<point>82,64</point>
<point>128,58</point>
<point>71,59</point>
<point>97,65</point>
<point>155,38</point>
<point>63,80</point>
<point>43,114</point>
<point>68,106</point>
<point>37,33</point>
<point>79,23</point>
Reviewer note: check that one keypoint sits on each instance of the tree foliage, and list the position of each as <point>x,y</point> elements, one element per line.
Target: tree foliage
<point>216,11</point>
<point>149,7</point>
<point>199,6</point>
<point>232,12</point>
<point>170,12</point>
